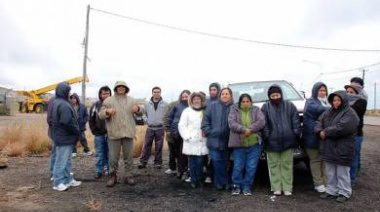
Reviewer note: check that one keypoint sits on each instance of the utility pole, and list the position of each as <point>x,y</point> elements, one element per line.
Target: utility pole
<point>363,75</point>
<point>375,97</point>
<point>85,43</point>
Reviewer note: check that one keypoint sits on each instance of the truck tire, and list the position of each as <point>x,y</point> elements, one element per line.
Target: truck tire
<point>39,108</point>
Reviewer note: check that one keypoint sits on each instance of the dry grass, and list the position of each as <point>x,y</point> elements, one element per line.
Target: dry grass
<point>30,138</point>
<point>20,140</point>
<point>139,142</point>
<point>373,112</point>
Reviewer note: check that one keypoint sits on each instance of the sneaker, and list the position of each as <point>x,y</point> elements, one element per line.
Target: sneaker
<point>188,180</point>
<point>247,193</point>
<point>327,196</point>
<point>277,193</point>
<point>169,171</point>
<point>208,180</point>
<point>142,166</point>
<point>89,153</point>
<point>341,199</point>
<point>51,177</point>
<point>235,191</point>
<point>184,177</point>
<point>74,183</point>
<point>73,155</point>
<point>193,185</point>
<point>61,187</point>
<point>158,166</point>
<point>320,189</point>
<point>98,176</point>
<point>287,193</point>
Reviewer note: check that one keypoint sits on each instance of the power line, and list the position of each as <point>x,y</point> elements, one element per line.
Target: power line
<point>352,69</point>
<point>234,38</point>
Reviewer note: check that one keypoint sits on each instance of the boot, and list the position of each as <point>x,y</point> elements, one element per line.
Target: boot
<point>129,180</point>
<point>112,179</point>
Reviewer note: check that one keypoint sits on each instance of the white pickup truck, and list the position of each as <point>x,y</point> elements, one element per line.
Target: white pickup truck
<point>259,93</point>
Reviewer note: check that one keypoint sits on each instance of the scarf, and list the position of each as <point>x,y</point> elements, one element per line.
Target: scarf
<point>352,98</point>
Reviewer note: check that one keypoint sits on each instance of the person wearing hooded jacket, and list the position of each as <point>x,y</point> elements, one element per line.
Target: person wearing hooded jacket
<point>281,133</point>
<point>214,90</point>
<point>65,131</point>
<point>337,128</point>
<point>314,107</point>
<point>215,128</point>
<point>81,112</point>
<point>245,121</point>
<point>357,102</point>
<point>169,139</point>
<point>118,112</point>
<point>49,120</point>
<point>98,129</point>
<point>173,121</point>
<point>194,144</point>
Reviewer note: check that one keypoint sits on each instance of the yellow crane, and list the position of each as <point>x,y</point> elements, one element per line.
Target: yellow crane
<point>37,99</point>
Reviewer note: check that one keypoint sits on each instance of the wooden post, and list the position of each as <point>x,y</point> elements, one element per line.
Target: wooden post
<point>85,43</point>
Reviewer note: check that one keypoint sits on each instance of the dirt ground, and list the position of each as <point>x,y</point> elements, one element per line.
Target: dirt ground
<point>25,186</point>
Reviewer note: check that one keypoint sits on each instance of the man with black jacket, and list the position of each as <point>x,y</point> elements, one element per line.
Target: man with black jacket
<point>98,129</point>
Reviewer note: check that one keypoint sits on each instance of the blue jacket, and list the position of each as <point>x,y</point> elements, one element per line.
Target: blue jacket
<point>283,127</point>
<point>210,100</point>
<point>82,113</point>
<point>65,129</point>
<point>313,109</point>
<point>215,125</point>
<point>174,117</point>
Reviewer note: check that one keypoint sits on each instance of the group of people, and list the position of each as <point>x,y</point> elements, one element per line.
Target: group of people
<point>111,121</point>
<point>205,134</point>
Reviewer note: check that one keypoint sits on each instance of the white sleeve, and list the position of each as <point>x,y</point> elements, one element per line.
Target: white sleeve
<point>183,125</point>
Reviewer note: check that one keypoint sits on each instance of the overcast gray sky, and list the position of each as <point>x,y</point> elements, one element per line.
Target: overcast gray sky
<point>40,43</point>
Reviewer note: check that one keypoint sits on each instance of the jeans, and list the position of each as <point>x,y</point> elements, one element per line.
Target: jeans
<point>245,165</point>
<point>62,166</point>
<point>356,159</point>
<point>196,167</point>
<point>101,148</point>
<point>53,155</point>
<point>219,159</point>
<point>83,142</point>
<point>158,137</point>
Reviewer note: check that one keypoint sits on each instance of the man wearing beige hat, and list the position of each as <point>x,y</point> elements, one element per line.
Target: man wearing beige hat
<point>118,111</point>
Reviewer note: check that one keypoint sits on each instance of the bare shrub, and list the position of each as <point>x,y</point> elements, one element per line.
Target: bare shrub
<point>138,142</point>
<point>93,205</point>
<point>37,142</point>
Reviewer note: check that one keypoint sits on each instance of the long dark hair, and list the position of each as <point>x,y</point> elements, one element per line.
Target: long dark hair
<point>242,97</point>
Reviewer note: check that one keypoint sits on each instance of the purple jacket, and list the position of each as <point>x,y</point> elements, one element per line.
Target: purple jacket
<point>237,128</point>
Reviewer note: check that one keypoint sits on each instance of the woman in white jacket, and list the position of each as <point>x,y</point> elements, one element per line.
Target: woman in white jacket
<point>194,144</point>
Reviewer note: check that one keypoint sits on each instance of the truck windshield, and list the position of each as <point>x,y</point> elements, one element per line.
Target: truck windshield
<point>259,90</point>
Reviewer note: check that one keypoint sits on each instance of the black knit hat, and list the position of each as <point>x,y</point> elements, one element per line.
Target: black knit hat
<point>274,89</point>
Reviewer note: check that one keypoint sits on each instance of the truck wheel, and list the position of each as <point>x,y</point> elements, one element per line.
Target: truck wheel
<point>39,108</point>
<point>23,108</point>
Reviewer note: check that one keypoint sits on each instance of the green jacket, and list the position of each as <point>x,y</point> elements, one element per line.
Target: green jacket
<point>122,124</point>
